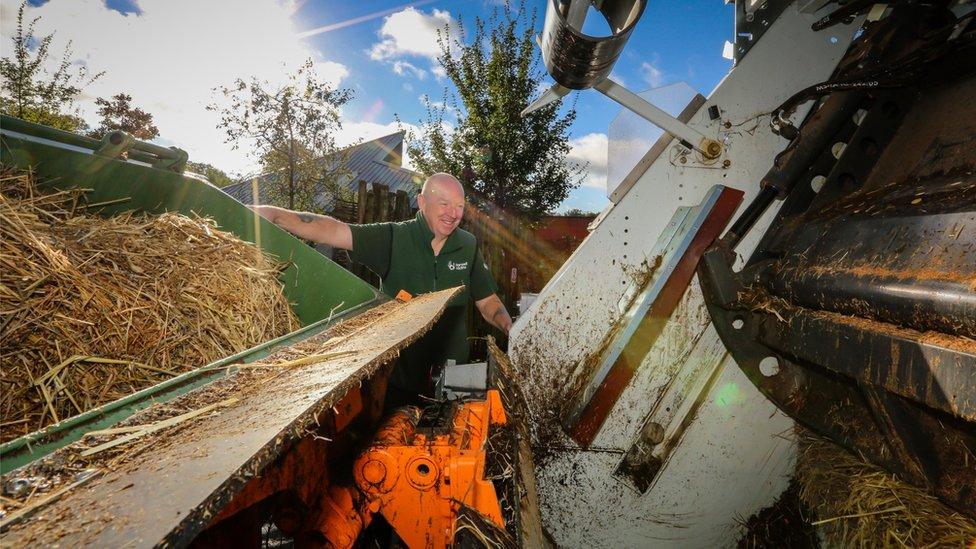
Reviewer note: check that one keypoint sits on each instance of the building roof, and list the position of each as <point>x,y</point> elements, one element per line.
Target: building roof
<point>375,162</point>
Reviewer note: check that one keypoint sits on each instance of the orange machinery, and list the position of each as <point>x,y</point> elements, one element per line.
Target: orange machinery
<point>417,471</point>
<point>418,478</point>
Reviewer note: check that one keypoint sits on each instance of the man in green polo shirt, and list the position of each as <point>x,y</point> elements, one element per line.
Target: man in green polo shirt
<point>422,255</point>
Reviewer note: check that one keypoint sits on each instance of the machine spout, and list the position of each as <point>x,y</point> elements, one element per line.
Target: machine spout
<point>553,94</point>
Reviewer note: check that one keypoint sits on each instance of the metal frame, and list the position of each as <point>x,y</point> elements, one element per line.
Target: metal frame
<point>677,252</point>
<point>583,499</point>
<point>856,313</point>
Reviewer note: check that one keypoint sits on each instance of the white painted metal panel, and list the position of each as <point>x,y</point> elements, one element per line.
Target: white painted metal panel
<point>733,458</point>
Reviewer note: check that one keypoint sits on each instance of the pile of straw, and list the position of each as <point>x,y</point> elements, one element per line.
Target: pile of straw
<point>92,309</point>
<point>861,505</point>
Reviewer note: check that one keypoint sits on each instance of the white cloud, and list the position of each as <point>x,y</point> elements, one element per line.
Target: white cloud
<point>591,149</point>
<point>411,32</point>
<point>651,73</point>
<point>406,68</point>
<point>438,71</point>
<point>171,57</point>
<point>330,72</point>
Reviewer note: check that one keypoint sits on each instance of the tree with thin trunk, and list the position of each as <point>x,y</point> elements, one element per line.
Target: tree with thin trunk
<point>291,129</point>
<point>517,164</point>
<point>35,90</point>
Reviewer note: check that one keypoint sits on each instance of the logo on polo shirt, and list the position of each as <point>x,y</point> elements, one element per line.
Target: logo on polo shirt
<point>457,266</point>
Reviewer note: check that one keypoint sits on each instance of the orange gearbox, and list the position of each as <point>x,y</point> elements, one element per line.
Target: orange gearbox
<point>418,473</point>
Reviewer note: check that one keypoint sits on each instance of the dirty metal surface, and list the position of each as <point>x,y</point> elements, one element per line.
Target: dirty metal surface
<point>857,316</point>
<point>647,316</point>
<point>674,411</point>
<point>915,270</point>
<point>897,396</point>
<point>735,439</point>
<point>928,368</point>
<point>165,496</point>
<point>525,498</point>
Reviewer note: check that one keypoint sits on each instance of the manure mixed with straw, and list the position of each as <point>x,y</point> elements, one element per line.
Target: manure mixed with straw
<point>92,308</point>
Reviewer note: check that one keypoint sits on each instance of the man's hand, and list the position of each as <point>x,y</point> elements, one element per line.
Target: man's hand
<point>493,310</point>
<point>317,228</point>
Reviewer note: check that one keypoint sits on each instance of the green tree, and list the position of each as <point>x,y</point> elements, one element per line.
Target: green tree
<point>32,92</point>
<point>576,212</point>
<point>292,131</point>
<point>118,114</point>
<point>517,164</point>
<point>215,175</point>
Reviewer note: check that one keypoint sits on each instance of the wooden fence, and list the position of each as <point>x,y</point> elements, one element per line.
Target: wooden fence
<point>373,205</point>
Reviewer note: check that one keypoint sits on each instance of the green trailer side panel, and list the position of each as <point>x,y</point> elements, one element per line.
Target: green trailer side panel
<point>23,450</point>
<point>320,291</point>
<point>314,284</point>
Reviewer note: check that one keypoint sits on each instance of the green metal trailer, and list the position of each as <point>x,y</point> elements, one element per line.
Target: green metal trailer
<point>125,175</point>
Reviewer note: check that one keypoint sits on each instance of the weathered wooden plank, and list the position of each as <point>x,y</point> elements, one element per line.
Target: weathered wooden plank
<point>382,202</point>
<point>361,202</point>
<point>170,493</point>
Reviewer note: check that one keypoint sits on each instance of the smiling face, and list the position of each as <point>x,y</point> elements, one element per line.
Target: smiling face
<point>442,203</point>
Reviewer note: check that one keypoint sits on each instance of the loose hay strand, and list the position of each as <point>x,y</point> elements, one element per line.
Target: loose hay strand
<point>861,505</point>
<point>93,308</point>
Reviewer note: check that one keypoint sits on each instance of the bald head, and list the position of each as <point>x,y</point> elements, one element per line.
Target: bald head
<point>441,200</point>
<point>442,183</point>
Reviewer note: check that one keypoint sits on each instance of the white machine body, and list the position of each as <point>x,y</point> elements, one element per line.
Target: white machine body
<point>730,452</point>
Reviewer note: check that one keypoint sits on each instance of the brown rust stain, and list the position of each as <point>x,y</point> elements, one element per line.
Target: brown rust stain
<point>877,271</point>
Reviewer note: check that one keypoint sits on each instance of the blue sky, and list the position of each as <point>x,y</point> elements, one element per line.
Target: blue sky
<point>382,49</point>
<point>674,41</point>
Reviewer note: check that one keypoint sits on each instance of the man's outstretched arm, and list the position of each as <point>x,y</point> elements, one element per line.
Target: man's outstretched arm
<point>317,228</point>
<point>493,310</point>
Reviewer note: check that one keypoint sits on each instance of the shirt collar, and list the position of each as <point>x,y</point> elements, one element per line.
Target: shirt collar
<point>453,242</point>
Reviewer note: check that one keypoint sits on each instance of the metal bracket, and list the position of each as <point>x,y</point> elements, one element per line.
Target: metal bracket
<point>690,137</point>
<point>115,144</point>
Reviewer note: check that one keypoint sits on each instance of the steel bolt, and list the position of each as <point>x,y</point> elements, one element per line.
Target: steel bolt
<point>653,432</point>
<point>713,149</point>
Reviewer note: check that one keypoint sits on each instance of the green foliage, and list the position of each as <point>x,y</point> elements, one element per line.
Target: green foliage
<point>516,163</point>
<point>215,175</point>
<point>291,129</point>
<point>33,92</point>
<point>576,212</point>
<point>118,114</point>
